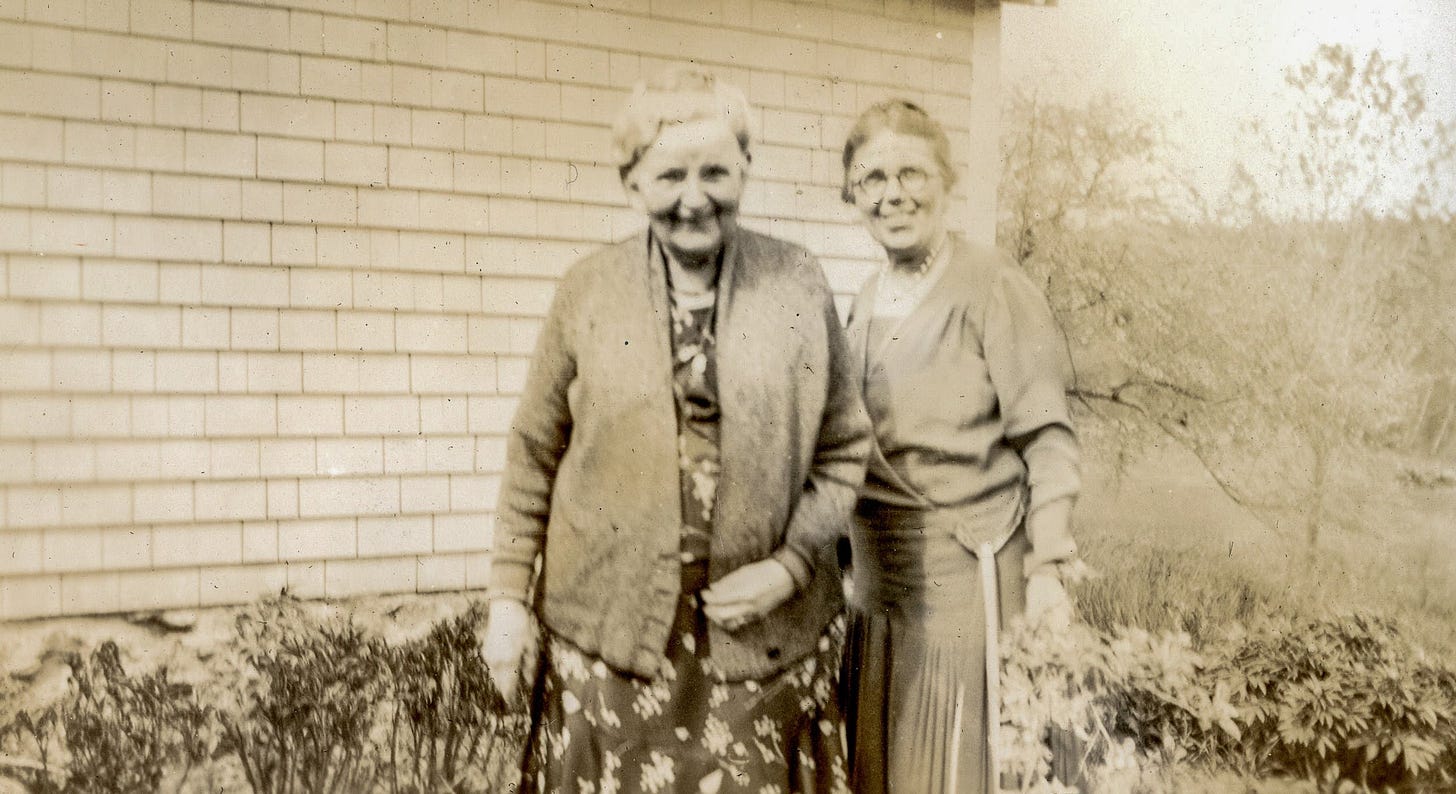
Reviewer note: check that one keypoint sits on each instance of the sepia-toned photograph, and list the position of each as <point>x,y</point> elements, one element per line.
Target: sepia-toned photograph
<point>714,396</point>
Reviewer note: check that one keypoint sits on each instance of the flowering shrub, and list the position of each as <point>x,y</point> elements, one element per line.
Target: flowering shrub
<point>1346,704</point>
<point>1129,700</point>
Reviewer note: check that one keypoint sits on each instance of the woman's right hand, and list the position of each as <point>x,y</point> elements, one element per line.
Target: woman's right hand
<point>507,635</point>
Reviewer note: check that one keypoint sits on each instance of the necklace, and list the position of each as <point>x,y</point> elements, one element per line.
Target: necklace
<point>902,287</point>
<point>921,267</point>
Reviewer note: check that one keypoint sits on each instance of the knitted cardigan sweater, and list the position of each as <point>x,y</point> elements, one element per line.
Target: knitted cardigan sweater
<point>591,481</point>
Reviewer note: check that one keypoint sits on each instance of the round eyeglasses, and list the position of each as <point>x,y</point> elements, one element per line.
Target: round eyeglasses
<point>871,186</point>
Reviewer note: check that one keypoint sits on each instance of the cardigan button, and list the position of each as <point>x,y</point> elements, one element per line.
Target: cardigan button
<point>774,653</point>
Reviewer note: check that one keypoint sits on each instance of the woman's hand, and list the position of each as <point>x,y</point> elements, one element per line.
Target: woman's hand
<point>507,636</point>
<point>747,594</point>
<point>1046,600</point>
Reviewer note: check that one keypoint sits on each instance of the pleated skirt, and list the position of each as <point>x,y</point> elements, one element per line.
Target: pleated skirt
<point>914,678</point>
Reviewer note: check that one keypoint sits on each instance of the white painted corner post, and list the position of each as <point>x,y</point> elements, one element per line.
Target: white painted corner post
<point>984,156</point>
<point>985,160</point>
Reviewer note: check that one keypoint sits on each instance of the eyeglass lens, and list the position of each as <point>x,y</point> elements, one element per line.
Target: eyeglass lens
<point>873,185</point>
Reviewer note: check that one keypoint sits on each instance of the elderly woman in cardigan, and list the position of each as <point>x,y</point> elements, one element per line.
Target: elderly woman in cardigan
<point>687,446</point>
<point>963,521</point>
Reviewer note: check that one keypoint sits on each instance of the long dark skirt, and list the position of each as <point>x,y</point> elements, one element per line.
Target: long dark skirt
<point>914,676</point>
<point>687,730</point>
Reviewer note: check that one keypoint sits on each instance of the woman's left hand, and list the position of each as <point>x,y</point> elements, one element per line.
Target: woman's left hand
<point>747,594</point>
<point>1047,601</point>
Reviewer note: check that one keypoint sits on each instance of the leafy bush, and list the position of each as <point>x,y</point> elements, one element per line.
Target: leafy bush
<point>326,708</point>
<point>116,733</point>
<point>1341,705</point>
<point>31,743</point>
<point>1341,700</point>
<point>308,710</point>
<point>312,707</point>
<point>449,727</point>
<point>1346,704</point>
<point>1131,699</point>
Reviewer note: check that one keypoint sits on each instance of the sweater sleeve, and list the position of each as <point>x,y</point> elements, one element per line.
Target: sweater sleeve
<point>840,453</point>
<point>1026,356</point>
<point>538,438</point>
<point>1052,472</point>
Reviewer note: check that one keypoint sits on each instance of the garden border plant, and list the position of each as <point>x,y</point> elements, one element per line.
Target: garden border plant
<point>114,733</point>
<point>1347,703</point>
<point>311,707</point>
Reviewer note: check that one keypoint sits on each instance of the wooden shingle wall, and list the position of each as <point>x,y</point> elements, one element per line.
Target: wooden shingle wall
<point>270,273</point>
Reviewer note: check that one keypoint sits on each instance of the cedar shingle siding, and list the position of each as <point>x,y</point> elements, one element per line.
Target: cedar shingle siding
<point>270,273</point>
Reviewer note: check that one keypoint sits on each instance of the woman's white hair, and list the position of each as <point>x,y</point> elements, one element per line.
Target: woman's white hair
<point>677,96</point>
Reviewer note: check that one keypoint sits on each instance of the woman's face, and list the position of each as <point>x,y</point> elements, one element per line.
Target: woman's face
<point>897,185</point>
<point>689,182</point>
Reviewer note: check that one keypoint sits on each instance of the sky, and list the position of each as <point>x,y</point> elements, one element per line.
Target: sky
<point>1202,66</point>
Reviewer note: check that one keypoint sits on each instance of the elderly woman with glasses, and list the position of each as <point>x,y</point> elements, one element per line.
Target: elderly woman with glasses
<point>685,454</point>
<point>963,520</point>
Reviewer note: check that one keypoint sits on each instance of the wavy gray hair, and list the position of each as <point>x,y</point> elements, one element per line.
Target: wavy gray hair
<point>678,95</point>
<point>904,117</point>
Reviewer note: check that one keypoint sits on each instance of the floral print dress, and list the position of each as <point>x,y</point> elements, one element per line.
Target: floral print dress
<point>687,729</point>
